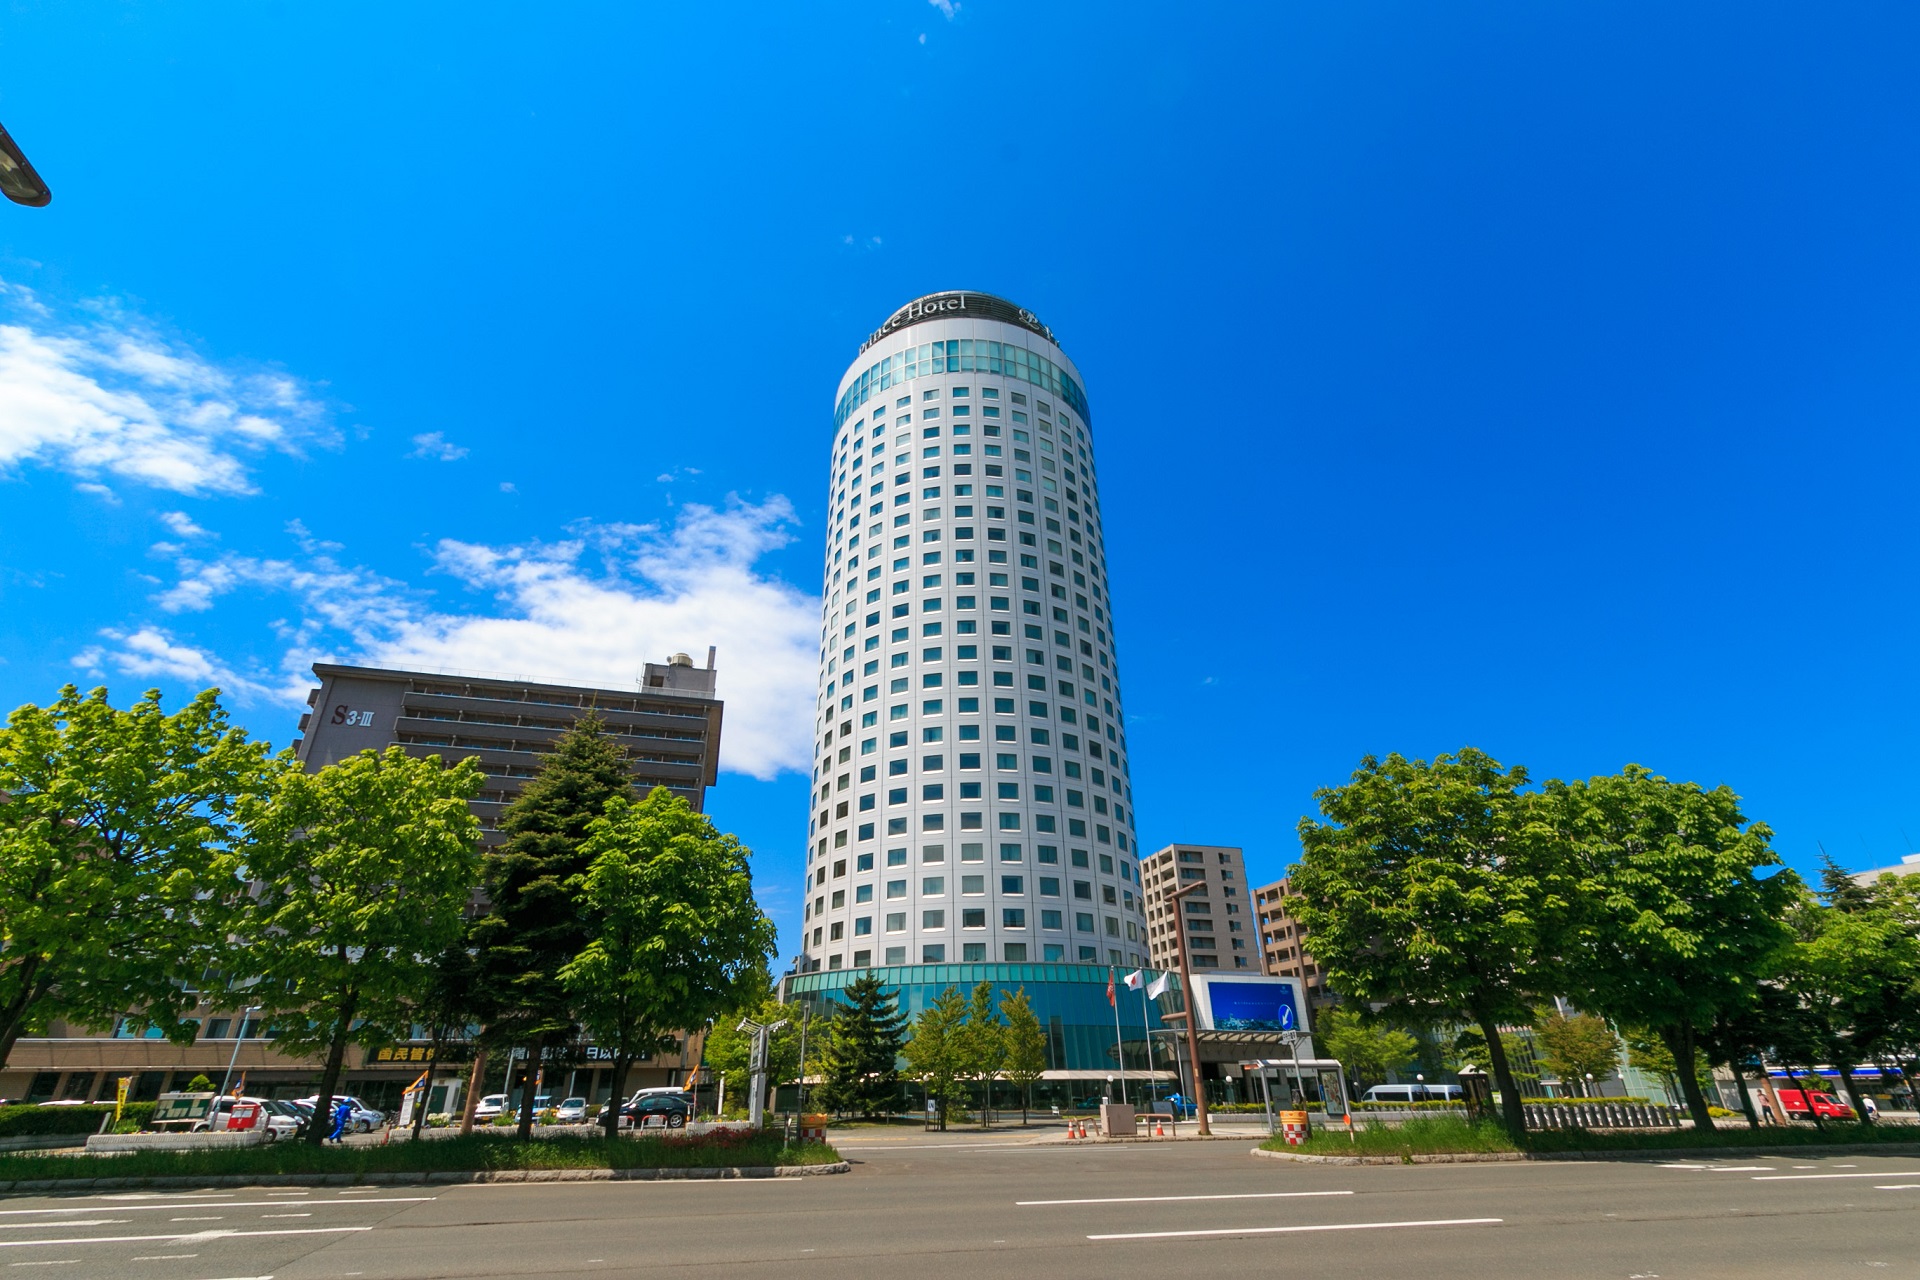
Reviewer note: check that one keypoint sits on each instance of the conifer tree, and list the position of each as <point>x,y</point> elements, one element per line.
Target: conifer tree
<point>535,924</point>
<point>859,1069</point>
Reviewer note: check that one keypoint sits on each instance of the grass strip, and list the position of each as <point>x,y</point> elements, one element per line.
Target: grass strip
<point>1453,1135</point>
<point>473,1153</point>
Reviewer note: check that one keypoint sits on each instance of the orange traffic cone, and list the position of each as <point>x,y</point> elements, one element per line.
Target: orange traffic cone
<point>1159,1129</point>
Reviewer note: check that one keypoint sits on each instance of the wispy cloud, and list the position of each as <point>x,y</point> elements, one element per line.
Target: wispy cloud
<point>151,652</point>
<point>591,609</point>
<point>182,525</point>
<point>435,446</point>
<point>947,8</point>
<point>106,395</point>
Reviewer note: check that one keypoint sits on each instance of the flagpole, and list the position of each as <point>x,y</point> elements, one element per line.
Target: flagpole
<point>1153,1082</point>
<point>1119,1051</point>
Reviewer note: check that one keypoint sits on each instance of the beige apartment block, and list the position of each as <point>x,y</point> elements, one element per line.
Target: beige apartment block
<point>1219,917</point>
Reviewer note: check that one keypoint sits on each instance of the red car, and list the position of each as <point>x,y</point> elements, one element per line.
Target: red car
<point>1825,1105</point>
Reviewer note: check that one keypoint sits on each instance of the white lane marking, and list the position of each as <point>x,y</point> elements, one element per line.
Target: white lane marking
<point>52,1262</point>
<point>227,1204</point>
<point>1742,1168</point>
<point>215,1218</point>
<point>195,1237</point>
<point>286,1215</point>
<point>939,1146</point>
<point>161,1195</point>
<point>1811,1177</point>
<point>162,1257</point>
<point>1328,1226</point>
<point>1683,1166</point>
<point>1250,1195</point>
<point>66,1222</point>
<point>1900,1186</point>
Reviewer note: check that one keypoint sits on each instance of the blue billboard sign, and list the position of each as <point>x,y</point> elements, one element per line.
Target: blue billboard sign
<point>1251,1006</point>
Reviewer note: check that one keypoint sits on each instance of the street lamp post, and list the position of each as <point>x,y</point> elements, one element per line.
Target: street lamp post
<point>239,1034</point>
<point>1186,995</point>
<point>18,181</point>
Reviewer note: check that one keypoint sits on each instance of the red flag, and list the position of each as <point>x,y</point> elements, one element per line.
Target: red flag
<point>1109,984</point>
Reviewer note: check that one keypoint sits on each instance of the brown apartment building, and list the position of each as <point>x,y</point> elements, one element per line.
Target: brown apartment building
<point>1282,941</point>
<point>670,724</point>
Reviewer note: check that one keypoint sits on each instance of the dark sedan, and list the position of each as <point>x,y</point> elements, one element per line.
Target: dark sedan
<point>661,1109</point>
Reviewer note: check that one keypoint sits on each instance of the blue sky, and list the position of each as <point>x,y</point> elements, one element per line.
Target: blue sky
<point>1536,377</point>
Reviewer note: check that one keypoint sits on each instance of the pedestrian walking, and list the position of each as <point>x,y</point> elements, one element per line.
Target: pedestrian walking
<point>342,1113</point>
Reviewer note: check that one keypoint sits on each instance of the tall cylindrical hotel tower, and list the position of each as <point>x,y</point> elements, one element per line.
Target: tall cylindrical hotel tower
<point>971,801</point>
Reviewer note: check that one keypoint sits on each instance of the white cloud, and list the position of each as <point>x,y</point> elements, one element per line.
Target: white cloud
<point>151,651</point>
<point>947,8</point>
<point>435,446</point>
<point>507,486</point>
<point>108,395</point>
<point>182,525</point>
<point>592,609</point>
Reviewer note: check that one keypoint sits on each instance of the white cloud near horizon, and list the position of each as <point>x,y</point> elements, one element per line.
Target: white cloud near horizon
<point>592,609</point>
<point>107,396</point>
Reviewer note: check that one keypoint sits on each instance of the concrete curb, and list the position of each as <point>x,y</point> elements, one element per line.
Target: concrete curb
<point>1677,1153</point>
<point>430,1179</point>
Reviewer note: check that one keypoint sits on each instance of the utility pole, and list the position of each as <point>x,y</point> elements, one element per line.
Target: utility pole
<point>1187,998</point>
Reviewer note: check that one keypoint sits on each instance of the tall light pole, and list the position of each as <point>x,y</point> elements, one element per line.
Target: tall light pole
<point>757,1067</point>
<point>239,1034</point>
<point>18,181</point>
<point>1187,998</point>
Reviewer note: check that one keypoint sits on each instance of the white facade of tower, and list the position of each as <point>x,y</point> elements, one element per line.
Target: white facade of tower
<point>971,797</point>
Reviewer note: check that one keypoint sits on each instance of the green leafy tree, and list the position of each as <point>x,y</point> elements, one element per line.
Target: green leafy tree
<point>201,1083</point>
<point>363,873</point>
<point>119,858</point>
<point>1026,1045</point>
<point>1574,1046</point>
<point>983,1044</point>
<point>729,1050</point>
<point>936,1053</point>
<point>1367,1049</point>
<point>1675,923</point>
<point>1427,892</point>
<point>535,925</point>
<point>1854,971</point>
<point>446,1005</point>
<point>859,1067</point>
<point>1470,1050</point>
<point>675,938</point>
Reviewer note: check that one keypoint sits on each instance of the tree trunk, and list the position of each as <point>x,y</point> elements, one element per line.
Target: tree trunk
<point>1806,1088</point>
<point>1510,1104</point>
<point>535,1054</point>
<point>1852,1096</point>
<point>1678,1037</point>
<point>476,1081</point>
<point>611,1117</point>
<point>1746,1098</point>
<point>433,1064</point>
<point>322,1118</point>
<point>14,1017</point>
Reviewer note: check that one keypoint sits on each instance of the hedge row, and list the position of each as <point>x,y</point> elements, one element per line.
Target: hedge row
<point>26,1121</point>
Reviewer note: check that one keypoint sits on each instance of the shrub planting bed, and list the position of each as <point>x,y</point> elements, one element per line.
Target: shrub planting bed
<point>473,1153</point>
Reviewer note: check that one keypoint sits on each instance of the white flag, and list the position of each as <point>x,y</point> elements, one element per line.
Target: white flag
<point>1134,979</point>
<point>1158,987</point>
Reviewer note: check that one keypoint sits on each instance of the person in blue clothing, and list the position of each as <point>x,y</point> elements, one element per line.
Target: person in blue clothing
<point>342,1113</point>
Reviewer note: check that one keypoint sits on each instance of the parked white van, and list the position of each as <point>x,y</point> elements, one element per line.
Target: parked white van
<point>1407,1094</point>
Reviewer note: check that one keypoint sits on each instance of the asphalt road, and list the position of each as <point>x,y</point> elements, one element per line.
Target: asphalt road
<point>971,1206</point>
